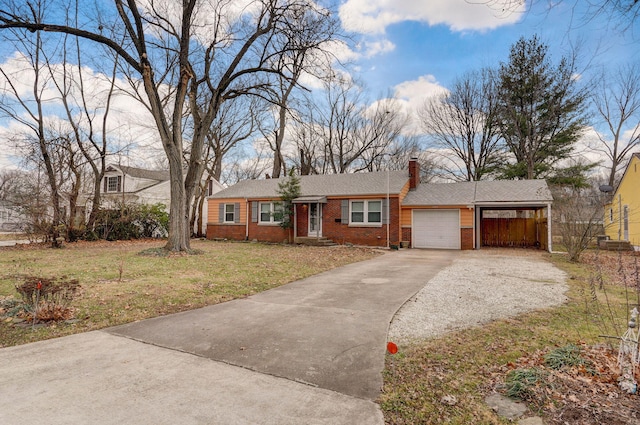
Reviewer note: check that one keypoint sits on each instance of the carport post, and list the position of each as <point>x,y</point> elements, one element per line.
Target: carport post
<point>549,240</point>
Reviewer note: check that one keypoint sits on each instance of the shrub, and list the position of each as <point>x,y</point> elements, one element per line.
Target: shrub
<point>130,221</point>
<point>48,299</point>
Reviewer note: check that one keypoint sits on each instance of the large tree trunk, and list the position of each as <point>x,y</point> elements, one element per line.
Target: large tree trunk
<point>178,239</point>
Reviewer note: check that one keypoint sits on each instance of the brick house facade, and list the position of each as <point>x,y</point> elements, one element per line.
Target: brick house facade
<point>373,209</point>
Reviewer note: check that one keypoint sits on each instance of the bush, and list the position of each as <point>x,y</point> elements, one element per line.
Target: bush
<point>130,221</point>
<point>48,299</point>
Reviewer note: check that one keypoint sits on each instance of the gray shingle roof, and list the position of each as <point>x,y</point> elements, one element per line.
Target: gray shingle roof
<point>145,174</point>
<point>322,185</point>
<point>513,191</point>
<point>467,193</point>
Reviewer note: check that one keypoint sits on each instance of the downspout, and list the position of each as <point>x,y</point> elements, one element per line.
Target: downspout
<point>295,222</point>
<point>248,217</point>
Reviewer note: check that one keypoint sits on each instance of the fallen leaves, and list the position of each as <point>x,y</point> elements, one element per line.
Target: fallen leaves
<point>577,395</point>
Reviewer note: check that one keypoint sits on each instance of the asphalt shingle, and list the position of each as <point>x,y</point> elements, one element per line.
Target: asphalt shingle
<point>323,185</point>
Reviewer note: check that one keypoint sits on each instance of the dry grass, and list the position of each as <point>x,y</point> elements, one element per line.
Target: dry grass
<point>118,285</point>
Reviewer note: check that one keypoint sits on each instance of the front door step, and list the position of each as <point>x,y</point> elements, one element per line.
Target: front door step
<point>311,241</point>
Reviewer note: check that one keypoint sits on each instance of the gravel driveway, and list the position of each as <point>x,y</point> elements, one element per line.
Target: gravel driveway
<point>478,287</point>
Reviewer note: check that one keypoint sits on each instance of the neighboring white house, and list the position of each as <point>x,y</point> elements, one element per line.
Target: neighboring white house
<point>122,184</point>
<point>11,220</point>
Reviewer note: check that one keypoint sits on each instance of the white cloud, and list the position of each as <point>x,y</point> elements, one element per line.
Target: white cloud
<point>378,47</point>
<point>374,16</point>
<point>412,94</point>
<point>409,96</point>
<point>130,126</point>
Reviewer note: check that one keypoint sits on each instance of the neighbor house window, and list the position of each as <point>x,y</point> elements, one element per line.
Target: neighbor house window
<point>366,212</point>
<point>113,184</point>
<point>610,215</point>
<point>229,213</point>
<point>268,211</point>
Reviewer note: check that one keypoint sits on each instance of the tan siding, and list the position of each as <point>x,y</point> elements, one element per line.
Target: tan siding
<point>405,217</point>
<point>466,217</point>
<point>214,209</point>
<point>404,191</point>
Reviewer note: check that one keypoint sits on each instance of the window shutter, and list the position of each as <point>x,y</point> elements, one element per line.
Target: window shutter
<point>120,184</point>
<point>254,211</point>
<point>236,212</point>
<point>209,188</point>
<point>106,179</point>
<point>344,212</point>
<point>385,216</point>
<point>221,213</point>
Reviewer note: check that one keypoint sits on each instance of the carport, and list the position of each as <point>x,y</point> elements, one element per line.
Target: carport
<point>470,215</point>
<point>513,214</point>
<point>513,226</point>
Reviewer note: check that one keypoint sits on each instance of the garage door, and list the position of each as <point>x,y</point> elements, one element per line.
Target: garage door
<point>436,229</point>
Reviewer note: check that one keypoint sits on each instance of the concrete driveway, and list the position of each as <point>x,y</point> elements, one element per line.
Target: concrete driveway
<point>309,352</point>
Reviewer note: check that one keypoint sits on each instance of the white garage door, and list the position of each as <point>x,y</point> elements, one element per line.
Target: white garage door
<point>436,229</point>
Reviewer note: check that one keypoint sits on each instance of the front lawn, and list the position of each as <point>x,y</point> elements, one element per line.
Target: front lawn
<point>118,285</point>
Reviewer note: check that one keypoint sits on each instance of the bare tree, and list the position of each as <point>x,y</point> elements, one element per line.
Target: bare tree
<point>343,133</point>
<point>204,62</point>
<point>617,102</point>
<point>578,212</point>
<point>28,110</point>
<point>236,122</point>
<point>462,123</point>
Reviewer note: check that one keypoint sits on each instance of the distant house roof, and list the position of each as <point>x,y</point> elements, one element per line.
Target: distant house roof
<point>323,185</point>
<point>468,193</point>
<point>141,173</point>
<point>633,155</point>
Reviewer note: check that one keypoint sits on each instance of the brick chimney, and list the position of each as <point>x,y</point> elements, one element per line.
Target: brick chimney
<point>414,173</point>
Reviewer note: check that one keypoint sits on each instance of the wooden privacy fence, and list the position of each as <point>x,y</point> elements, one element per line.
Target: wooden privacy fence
<point>514,232</point>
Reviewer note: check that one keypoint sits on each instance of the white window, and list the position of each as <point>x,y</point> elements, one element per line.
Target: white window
<point>229,213</point>
<point>113,184</point>
<point>269,212</point>
<point>366,212</point>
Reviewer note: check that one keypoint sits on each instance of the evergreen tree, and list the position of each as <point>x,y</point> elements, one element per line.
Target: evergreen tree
<point>541,111</point>
<point>288,189</point>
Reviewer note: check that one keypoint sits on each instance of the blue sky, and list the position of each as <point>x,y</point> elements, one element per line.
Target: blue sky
<point>415,48</point>
<point>435,38</point>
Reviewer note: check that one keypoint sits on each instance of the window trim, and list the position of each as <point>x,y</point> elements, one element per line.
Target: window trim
<point>233,213</point>
<point>272,211</point>
<point>365,213</point>
<point>117,180</point>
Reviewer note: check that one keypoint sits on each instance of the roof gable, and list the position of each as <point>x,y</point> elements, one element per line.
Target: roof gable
<point>141,173</point>
<point>631,173</point>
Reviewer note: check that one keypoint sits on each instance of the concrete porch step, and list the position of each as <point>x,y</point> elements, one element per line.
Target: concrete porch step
<point>610,245</point>
<point>313,241</point>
